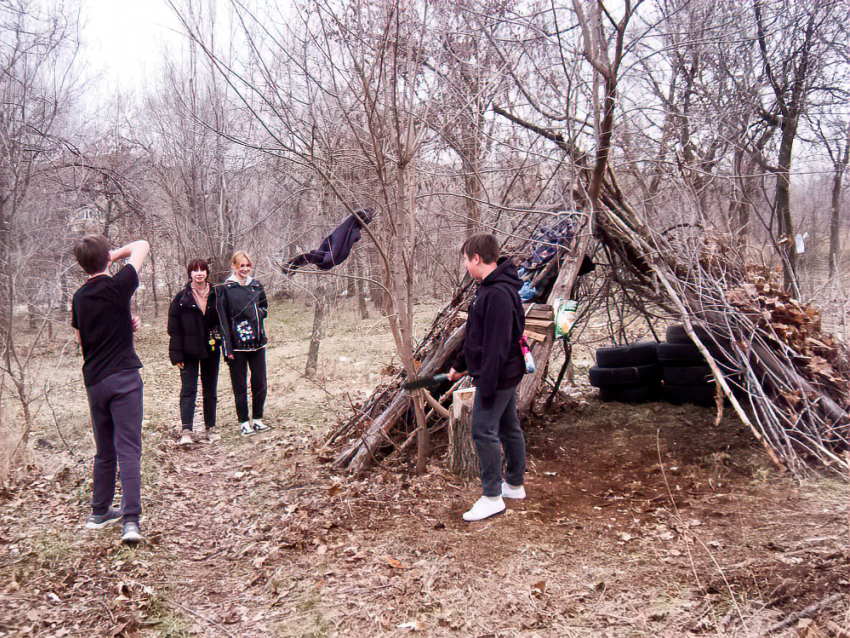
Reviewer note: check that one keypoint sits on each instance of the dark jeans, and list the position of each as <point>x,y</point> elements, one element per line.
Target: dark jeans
<point>189,390</point>
<point>256,361</point>
<point>116,415</point>
<point>494,428</point>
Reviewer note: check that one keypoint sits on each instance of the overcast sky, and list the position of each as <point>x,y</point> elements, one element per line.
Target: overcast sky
<point>124,40</point>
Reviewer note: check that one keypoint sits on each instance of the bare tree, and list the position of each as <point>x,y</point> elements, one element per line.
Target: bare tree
<point>359,67</point>
<point>793,41</point>
<point>37,46</point>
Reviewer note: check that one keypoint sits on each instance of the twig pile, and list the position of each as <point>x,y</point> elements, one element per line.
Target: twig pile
<point>384,425</point>
<point>785,379</point>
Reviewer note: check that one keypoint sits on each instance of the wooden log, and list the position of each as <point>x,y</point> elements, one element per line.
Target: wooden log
<point>462,458</point>
<point>435,405</point>
<point>359,456</point>
<point>568,274</point>
<point>530,384</point>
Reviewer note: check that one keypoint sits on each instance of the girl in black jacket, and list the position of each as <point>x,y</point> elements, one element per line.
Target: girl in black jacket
<point>194,346</point>
<point>242,307</point>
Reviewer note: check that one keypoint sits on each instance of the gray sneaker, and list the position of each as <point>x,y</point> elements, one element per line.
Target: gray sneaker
<point>99,521</point>
<point>132,534</point>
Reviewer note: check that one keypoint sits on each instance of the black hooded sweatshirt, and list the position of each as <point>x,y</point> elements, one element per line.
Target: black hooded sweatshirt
<point>491,350</point>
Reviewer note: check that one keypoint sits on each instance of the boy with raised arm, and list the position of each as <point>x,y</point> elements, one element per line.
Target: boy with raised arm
<point>101,315</point>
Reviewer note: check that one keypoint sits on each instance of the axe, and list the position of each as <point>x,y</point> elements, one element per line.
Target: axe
<point>426,382</point>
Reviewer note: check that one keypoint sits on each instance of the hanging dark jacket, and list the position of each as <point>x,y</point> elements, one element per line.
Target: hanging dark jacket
<point>191,331</point>
<point>241,311</point>
<point>491,351</point>
<point>334,248</point>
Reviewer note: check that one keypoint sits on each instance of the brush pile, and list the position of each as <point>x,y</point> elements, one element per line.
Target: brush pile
<point>785,379</point>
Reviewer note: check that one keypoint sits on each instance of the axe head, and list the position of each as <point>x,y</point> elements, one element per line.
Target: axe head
<point>426,382</point>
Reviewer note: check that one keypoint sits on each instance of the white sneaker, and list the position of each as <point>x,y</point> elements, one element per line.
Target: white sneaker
<point>485,507</point>
<point>186,439</point>
<point>212,437</point>
<point>246,429</point>
<point>509,491</point>
<point>259,426</point>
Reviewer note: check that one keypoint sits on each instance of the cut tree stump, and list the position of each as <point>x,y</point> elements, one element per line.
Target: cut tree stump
<point>462,457</point>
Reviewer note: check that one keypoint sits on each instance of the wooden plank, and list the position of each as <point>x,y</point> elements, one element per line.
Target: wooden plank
<point>539,323</point>
<point>537,307</point>
<point>528,387</point>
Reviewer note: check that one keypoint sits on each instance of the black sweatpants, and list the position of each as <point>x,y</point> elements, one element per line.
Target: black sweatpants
<point>239,365</point>
<point>189,391</point>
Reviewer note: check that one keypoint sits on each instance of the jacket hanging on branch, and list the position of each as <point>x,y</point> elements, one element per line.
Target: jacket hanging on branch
<point>334,248</point>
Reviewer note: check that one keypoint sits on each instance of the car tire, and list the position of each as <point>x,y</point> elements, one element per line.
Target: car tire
<point>679,354</point>
<point>637,354</point>
<point>696,394</point>
<point>688,375</point>
<point>634,394</point>
<point>618,377</point>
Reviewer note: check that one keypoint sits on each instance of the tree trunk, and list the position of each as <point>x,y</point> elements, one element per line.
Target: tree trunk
<point>835,219</point>
<point>788,247</point>
<point>32,316</point>
<point>6,279</point>
<point>360,271</point>
<point>65,294</point>
<point>153,285</point>
<point>316,334</point>
<point>462,459</point>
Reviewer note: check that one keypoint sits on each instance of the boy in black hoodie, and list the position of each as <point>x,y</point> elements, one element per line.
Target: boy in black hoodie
<point>491,354</point>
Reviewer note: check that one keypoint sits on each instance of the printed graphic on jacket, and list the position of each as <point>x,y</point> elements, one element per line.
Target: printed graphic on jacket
<point>244,333</point>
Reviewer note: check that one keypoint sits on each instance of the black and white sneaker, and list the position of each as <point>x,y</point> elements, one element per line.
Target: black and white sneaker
<point>99,521</point>
<point>259,426</point>
<point>246,429</point>
<point>132,533</point>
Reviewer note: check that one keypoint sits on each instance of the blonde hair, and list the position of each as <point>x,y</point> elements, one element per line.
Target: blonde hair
<point>239,254</point>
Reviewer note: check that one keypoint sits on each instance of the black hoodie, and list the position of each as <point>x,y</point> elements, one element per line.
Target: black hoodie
<point>491,350</point>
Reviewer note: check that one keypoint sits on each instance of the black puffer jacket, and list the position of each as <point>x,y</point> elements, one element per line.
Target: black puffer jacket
<point>491,350</point>
<point>241,311</point>
<point>190,331</point>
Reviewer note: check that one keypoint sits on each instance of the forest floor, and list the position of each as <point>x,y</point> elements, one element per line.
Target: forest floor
<point>646,520</point>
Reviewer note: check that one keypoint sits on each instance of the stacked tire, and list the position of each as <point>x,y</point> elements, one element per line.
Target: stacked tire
<point>629,374</point>
<point>686,375</point>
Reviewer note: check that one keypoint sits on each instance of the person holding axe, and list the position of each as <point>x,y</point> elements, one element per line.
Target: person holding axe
<point>492,355</point>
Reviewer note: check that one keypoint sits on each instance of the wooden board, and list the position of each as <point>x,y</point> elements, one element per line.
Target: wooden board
<point>539,323</point>
<point>536,336</point>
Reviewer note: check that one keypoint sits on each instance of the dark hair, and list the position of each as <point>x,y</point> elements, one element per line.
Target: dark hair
<point>197,264</point>
<point>92,253</point>
<point>484,245</point>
